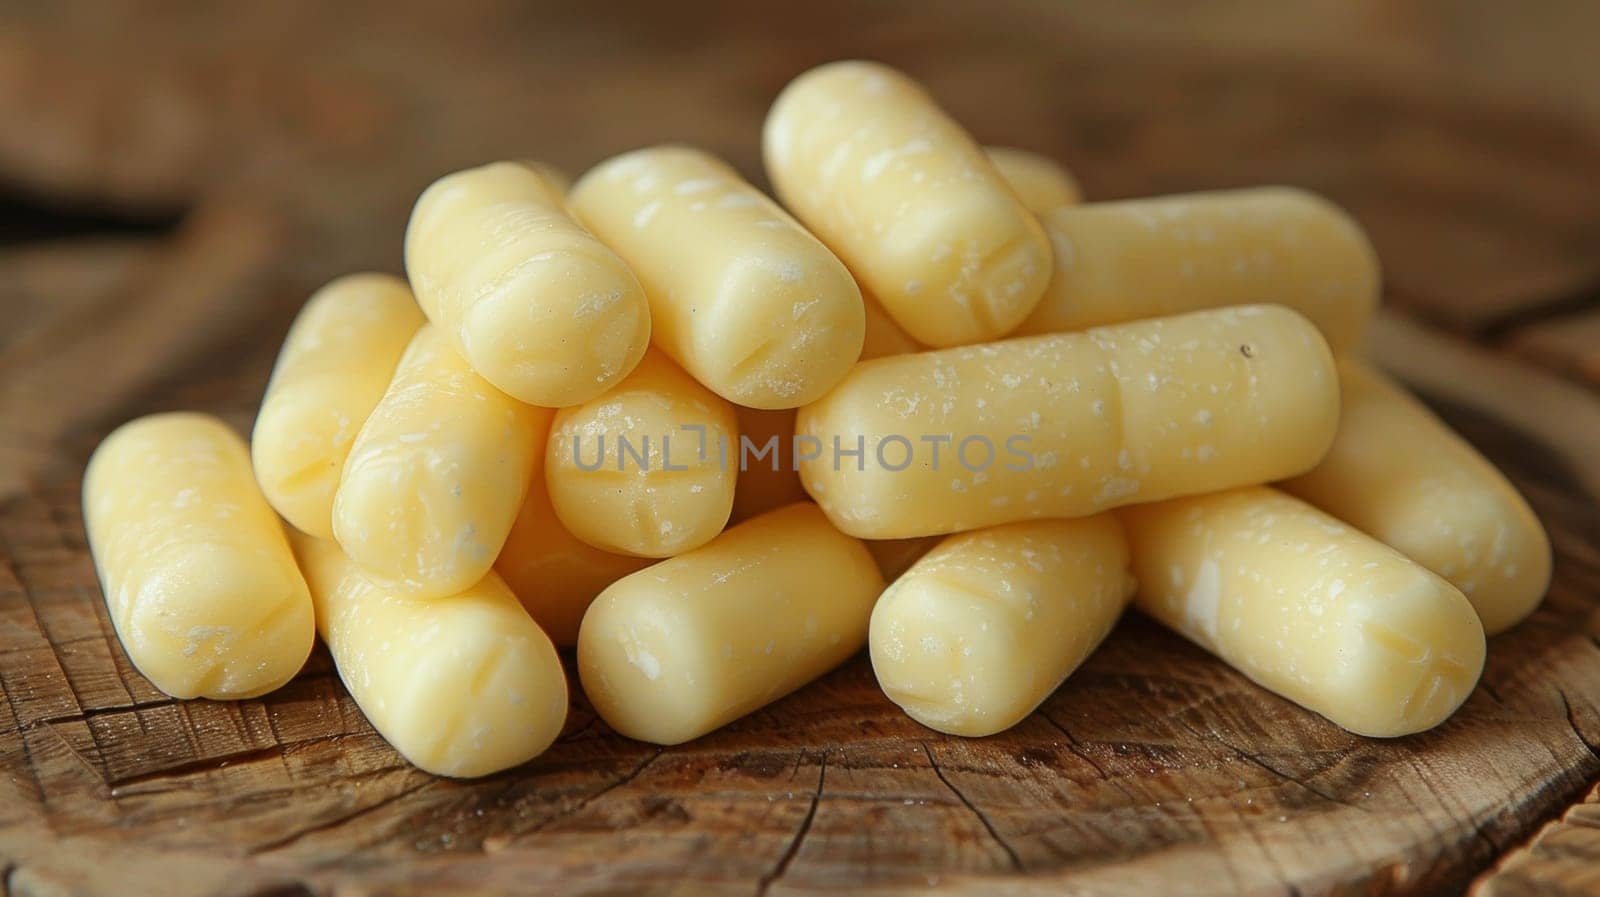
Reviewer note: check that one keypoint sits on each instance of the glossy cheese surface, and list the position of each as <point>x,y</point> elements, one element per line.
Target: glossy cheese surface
<point>647,469</point>
<point>537,305</point>
<point>741,296</point>
<point>1070,424</point>
<point>1143,258</point>
<point>1308,607</point>
<point>692,643</point>
<point>198,578</point>
<point>436,475</point>
<point>332,370</point>
<point>865,158</point>
<point>462,685</point>
<point>986,625</point>
<point>1398,473</point>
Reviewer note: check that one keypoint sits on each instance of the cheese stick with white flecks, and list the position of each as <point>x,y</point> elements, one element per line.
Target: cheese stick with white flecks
<point>1070,424</point>
<point>985,626</point>
<point>865,158</point>
<point>741,296</point>
<point>1308,607</point>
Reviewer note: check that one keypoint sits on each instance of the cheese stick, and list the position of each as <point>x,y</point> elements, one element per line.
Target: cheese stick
<point>198,577</point>
<point>986,625</point>
<point>536,305</point>
<point>741,296</point>
<point>463,685</point>
<point>331,372</point>
<point>1071,424</point>
<point>692,643</point>
<point>436,475</point>
<point>863,156</point>
<point>1308,607</point>
<point>1144,258</point>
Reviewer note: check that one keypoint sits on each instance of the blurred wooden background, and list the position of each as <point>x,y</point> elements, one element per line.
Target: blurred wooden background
<point>176,177</point>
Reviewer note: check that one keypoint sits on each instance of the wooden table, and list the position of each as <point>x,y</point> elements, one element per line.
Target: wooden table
<point>174,185</point>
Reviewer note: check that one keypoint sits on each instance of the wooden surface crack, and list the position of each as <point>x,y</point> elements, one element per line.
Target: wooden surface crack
<point>345,819</point>
<point>1016,861</point>
<point>578,807</point>
<point>1572,721</point>
<point>792,849</point>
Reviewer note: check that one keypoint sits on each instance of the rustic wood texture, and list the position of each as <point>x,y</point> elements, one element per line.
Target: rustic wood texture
<point>172,186</point>
<point>1563,859</point>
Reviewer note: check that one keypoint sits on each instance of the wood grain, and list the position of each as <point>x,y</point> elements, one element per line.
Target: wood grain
<point>288,144</point>
<point>1563,859</point>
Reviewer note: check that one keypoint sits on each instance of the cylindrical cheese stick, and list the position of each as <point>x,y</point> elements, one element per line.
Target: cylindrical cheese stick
<point>463,685</point>
<point>740,294</point>
<point>1308,607</point>
<point>1142,258</point>
<point>436,475</point>
<point>647,469</point>
<point>540,308</point>
<point>1398,473</point>
<point>331,372</point>
<point>863,156</point>
<point>197,574</point>
<point>678,649</point>
<point>554,573</point>
<point>1069,424</point>
<point>1038,181</point>
<point>983,628</point>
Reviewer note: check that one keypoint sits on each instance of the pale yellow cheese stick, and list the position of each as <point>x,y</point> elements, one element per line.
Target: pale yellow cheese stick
<point>554,573</point>
<point>863,156</point>
<point>692,643</point>
<point>436,475</point>
<point>1038,181</point>
<point>741,296</point>
<point>331,372</point>
<point>1398,473</point>
<point>986,625</point>
<point>463,685</point>
<point>1143,258</point>
<point>1070,424</point>
<point>198,577</point>
<point>1307,607</point>
<point>537,305</point>
<point>647,469</point>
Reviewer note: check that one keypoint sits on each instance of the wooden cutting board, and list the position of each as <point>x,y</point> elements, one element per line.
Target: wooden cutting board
<point>176,187</point>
